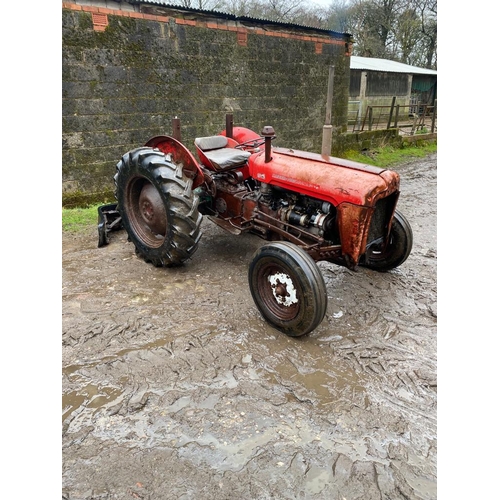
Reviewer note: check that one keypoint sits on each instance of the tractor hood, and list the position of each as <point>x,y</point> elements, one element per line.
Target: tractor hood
<point>325,177</point>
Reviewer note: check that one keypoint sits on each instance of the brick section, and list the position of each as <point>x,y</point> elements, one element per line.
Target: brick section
<point>104,10</point>
<point>72,6</point>
<point>99,20</point>
<point>121,89</point>
<point>242,38</point>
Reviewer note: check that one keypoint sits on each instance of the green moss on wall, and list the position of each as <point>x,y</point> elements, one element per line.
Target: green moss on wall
<point>125,84</point>
<point>86,198</point>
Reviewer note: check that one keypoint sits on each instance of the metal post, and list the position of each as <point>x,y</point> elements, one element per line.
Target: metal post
<point>326,145</point>
<point>176,129</point>
<point>229,125</point>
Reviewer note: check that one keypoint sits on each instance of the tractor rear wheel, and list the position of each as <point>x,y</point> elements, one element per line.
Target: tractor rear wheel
<point>158,207</point>
<point>397,250</point>
<point>288,288</point>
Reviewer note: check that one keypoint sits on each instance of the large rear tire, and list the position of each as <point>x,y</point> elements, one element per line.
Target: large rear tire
<point>158,207</point>
<point>288,288</point>
<point>397,250</point>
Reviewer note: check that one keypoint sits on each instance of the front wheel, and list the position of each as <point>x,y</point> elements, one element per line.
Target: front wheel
<point>397,249</point>
<point>288,288</point>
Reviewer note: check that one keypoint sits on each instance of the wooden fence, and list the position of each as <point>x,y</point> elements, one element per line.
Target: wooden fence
<point>409,119</point>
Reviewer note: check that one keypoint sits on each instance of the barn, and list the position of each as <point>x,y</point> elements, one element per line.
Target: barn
<point>380,83</point>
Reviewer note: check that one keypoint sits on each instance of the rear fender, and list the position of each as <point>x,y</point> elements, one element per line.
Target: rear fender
<point>180,155</point>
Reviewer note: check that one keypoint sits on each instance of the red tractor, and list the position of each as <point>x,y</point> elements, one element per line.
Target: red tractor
<point>309,207</point>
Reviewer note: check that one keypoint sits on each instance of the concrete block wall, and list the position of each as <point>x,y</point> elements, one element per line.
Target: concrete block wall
<point>127,74</point>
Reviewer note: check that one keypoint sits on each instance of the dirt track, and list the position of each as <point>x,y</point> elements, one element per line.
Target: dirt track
<point>175,388</point>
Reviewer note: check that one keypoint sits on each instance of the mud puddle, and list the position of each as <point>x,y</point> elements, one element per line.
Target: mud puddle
<point>174,387</point>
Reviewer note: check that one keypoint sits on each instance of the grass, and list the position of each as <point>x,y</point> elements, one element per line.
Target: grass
<point>388,156</point>
<point>79,219</point>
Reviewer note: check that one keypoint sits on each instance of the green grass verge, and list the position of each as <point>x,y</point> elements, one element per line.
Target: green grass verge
<point>79,219</point>
<point>389,156</point>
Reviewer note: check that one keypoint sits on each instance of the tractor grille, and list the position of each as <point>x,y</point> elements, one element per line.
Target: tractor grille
<point>381,217</point>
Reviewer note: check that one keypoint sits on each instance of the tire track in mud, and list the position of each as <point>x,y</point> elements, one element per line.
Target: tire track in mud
<point>174,386</point>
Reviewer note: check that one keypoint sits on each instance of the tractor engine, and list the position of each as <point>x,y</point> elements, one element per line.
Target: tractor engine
<point>314,216</point>
<point>237,204</point>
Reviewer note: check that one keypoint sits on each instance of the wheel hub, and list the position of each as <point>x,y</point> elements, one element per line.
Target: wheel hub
<point>151,209</point>
<point>147,211</point>
<point>283,289</point>
<point>280,290</point>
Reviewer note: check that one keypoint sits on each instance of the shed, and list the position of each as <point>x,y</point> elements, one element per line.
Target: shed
<point>375,82</point>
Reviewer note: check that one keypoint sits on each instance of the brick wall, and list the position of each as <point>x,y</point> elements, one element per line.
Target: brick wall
<point>127,74</point>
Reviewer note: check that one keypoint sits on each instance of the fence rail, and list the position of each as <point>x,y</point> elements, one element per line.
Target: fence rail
<point>409,119</point>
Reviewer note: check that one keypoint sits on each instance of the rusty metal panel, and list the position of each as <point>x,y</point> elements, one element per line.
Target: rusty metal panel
<point>353,224</point>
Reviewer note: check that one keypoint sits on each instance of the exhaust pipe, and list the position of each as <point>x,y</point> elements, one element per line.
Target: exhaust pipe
<point>268,133</point>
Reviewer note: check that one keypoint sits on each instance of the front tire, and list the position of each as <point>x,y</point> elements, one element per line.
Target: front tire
<point>158,207</point>
<point>397,250</point>
<point>288,288</point>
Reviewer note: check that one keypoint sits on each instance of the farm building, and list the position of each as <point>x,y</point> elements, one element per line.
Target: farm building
<point>376,82</point>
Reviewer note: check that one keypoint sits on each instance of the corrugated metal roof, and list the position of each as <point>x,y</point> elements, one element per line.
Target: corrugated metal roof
<point>178,5</point>
<point>374,64</point>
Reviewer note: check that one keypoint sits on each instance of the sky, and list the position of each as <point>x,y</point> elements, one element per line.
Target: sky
<point>321,3</point>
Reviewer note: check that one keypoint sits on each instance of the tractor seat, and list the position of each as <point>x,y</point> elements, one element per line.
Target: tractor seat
<point>215,151</point>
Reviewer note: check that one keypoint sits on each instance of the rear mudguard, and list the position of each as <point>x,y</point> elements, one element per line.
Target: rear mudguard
<point>180,155</point>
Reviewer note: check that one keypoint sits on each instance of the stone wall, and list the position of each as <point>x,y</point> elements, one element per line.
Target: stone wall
<point>127,73</point>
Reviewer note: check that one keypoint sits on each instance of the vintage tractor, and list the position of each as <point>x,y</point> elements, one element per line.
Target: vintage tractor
<point>309,207</point>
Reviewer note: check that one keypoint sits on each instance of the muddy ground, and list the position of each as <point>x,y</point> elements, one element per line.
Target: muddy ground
<point>174,387</point>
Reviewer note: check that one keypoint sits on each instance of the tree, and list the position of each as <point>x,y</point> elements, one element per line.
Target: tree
<point>372,23</point>
<point>400,30</point>
<point>337,18</point>
<point>428,17</point>
<point>407,35</point>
